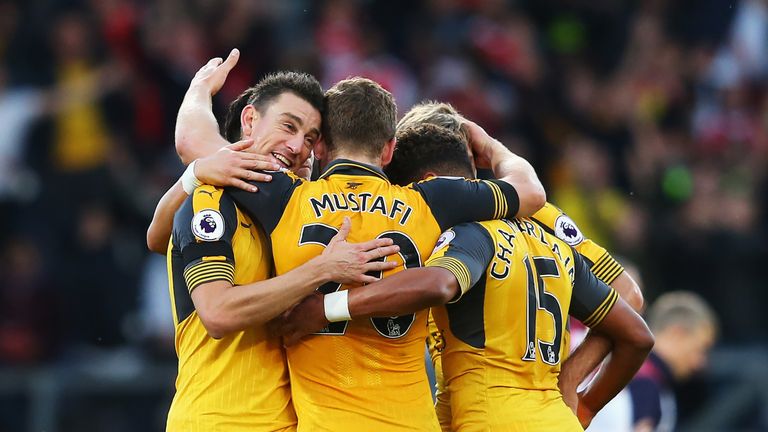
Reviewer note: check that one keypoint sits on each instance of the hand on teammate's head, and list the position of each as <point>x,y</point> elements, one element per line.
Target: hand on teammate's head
<point>479,143</point>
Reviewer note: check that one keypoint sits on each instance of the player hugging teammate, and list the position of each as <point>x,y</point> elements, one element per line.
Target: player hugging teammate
<point>357,270</point>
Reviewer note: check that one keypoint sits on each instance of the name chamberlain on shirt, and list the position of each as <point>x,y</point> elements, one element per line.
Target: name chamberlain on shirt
<point>364,202</point>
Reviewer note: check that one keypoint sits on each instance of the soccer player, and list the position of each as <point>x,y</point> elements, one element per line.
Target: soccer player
<point>370,375</point>
<point>510,286</point>
<point>410,164</point>
<point>232,375</point>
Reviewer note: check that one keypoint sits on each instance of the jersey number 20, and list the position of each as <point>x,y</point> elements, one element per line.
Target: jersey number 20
<point>389,327</point>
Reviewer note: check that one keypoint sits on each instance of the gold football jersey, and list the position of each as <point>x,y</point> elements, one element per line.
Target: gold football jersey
<point>365,375</point>
<point>555,222</point>
<point>238,382</point>
<point>502,339</point>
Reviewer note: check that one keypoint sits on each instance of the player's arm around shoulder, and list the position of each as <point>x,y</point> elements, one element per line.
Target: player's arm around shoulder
<point>230,166</point>
<point>457,263</point>
<point>225,308</point>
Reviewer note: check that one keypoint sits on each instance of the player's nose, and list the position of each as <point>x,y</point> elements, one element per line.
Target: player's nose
<point>295,144</point>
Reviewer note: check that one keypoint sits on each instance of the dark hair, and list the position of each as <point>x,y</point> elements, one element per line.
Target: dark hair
<point>426,147</point>
<point>359,115</point>
<point>266,91</point>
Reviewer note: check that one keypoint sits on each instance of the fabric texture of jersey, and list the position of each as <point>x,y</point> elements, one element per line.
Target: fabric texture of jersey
<point>503,337</point>
<point>365,374</point>
<point>555,222</point>
<point>238,382</point>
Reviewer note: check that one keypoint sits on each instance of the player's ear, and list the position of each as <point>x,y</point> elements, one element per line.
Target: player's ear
<point>248,116</point>
<point>389,150</point>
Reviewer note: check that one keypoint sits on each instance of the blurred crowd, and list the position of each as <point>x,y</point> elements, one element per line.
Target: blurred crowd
<point>647,121</point>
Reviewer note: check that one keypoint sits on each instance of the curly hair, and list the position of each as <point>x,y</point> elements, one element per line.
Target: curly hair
<point>423,148</point>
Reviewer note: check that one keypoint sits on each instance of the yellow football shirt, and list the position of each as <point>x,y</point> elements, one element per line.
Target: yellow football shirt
<point>238,382</point>
<point>502,339</point>
<point>555,222</point>
<point>365,375</point>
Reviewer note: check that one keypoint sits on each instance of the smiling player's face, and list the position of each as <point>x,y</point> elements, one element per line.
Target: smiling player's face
<point>287,130</point>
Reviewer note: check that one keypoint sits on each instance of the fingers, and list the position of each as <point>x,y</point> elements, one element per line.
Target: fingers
<point>375,243</point>
<point>247,174</point>
<point>280,324</point>
<point>273,327</point>
<point>343,231</point>
<point>231,61</point>
<point>379,266</point>
<point>240,145</point>
<point>256,164</point>
<point>244,186</point>
<point>251,161</point>
<point>381,252</point>
<point>255,161</point>
<point>206,68</point>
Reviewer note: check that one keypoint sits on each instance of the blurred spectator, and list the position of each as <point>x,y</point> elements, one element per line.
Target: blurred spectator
<point>99,292</point>
<point>647,120</point>
<point>685,328</point>
<point>81,138</point>
<point>587,194</point>
<point>29,326</point>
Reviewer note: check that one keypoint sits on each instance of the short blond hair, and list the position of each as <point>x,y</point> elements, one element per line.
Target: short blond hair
<point>437,113</point>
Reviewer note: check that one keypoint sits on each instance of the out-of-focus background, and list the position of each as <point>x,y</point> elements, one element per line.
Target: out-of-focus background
<point>647,120</point>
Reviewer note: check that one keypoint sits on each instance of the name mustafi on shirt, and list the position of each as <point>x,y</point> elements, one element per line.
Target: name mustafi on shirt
<point>364,202</point>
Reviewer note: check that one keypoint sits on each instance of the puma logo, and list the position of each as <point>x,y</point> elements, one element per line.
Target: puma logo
<point>210,194</point>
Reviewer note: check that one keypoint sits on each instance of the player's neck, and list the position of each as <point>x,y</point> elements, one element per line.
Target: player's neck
<point>356,157</point>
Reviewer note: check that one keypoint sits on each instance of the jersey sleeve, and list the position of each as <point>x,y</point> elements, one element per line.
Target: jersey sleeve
<point>465,250</point>
<point>203,229</point>
<point>267,204</point>
<point>557,223</point>
<point>458,200</point>
<point>592,299</point>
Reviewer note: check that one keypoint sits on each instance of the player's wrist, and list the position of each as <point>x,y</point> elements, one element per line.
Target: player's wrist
<point>319,271</point>
<point>336,306</point>
<point>200,90</point>
<point>189,181</point>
